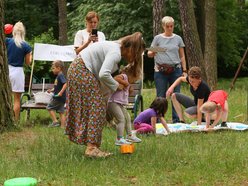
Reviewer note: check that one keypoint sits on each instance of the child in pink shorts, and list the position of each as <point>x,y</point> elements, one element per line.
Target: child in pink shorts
<point>146,121</point>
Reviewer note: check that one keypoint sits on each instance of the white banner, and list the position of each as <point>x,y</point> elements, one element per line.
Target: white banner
<point>48,52</point>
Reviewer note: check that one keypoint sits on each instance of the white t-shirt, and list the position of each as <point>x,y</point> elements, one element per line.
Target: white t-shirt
<point>82,37</point>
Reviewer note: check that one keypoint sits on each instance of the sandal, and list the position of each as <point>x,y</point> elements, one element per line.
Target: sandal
<point>96,153</point>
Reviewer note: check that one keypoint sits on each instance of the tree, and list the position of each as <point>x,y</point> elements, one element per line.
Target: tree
<point>62,22</point>
<point>158,6</point>
<point>200,39</point>
<point>209,41</point>
<point>6,109</point>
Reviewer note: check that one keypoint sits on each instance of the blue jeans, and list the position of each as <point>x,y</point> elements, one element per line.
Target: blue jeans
<point>162,83</point>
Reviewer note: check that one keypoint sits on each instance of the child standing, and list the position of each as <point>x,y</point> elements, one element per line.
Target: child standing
<point>58,101</point>
<point>216,108</point>
<point>146,120</point>
<point>116,109</point>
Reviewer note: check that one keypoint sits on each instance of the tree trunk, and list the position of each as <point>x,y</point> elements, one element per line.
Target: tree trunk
<point>62,22</point>
<point>210,56</point>
<point>158,6</point>
<point>6,108</point>
<point>191,36</point>
<point>200,21</point>
<point>63,28</point>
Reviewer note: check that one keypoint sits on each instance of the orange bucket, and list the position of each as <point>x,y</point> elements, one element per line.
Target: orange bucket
<point>127,149</point>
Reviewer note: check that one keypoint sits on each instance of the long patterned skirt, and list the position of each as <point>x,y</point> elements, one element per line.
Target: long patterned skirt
<point>86,108</point>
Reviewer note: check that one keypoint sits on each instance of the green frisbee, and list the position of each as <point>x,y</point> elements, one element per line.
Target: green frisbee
<point>24,181</point>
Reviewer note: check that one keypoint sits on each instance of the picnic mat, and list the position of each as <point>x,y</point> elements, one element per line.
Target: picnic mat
<point>181,127</point>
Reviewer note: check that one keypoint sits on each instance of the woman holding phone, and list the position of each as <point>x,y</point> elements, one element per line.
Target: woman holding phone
<point>90,34</point>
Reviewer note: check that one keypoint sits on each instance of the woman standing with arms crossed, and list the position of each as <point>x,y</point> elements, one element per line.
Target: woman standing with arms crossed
<point>89,78</point>
<point>169,64</point>
<point>85,37</point>
<point>18,52</point>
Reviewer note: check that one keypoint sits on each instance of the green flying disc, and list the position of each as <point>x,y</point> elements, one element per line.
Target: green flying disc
<point>24,181</point>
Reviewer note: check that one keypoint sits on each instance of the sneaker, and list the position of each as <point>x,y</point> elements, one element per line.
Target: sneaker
<point>211,122</point>
<point>54,124</point>
<point>133,139</point>
<point>122,141</point>
<point>223,124</point>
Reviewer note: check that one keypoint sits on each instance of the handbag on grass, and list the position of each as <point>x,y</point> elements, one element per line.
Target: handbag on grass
<point>166,69</point>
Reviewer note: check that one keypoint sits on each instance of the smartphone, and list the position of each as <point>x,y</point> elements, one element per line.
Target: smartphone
<point>94,32</point>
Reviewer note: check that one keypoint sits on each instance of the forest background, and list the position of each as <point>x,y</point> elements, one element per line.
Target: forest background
<point>120,17</point>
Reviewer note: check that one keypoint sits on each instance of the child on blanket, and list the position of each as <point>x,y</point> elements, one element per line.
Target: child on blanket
<point>146,121</point>
<point>216,108</point>
<point>116,109</point>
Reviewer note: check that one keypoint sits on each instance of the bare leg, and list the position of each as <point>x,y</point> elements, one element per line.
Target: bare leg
<point>177,107</point>
<point>17,105</point>
<point>62,120</point>
<point>53,115</point>
<point>225,112</point>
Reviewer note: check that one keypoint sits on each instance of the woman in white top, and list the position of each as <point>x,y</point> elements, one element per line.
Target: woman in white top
<point>88,78</point>
<point>85,37</point>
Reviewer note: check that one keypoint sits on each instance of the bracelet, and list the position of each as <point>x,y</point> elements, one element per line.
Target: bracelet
<point>185,71</point>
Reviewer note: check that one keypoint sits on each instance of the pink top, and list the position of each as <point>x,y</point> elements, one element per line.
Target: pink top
<point>219,97</point>
<point>121,96</point>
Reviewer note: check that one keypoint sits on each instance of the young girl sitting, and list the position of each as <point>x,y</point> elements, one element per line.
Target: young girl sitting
<point>117,110</point>
<point>216,108</point>
<point>146,121</point>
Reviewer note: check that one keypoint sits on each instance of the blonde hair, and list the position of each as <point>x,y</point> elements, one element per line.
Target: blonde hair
<point>167,19</point>
<point>136,44</point>
<point>208,107</point>
<point>19,34</point>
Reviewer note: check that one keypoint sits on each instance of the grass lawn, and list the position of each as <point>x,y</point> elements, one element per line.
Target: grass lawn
<point>219,158</point>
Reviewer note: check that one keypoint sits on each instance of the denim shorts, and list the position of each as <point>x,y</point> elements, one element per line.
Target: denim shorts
<point>56,105</point>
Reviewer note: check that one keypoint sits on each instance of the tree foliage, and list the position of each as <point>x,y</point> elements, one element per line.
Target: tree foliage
<point>37,16</point>
<point>121,17</point>
<point>117,18</point>
<point>232,29</point>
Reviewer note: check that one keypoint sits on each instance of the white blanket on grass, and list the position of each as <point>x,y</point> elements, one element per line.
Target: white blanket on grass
<point>181,127</point>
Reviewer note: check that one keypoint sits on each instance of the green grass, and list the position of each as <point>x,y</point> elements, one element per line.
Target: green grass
<point>46,154</point>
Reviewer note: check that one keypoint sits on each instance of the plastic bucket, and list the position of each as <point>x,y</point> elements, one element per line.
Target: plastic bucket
<point>127,149</point>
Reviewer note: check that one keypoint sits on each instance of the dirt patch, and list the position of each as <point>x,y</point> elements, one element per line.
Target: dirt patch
<point>16,144</point>
<point>24,134</point>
